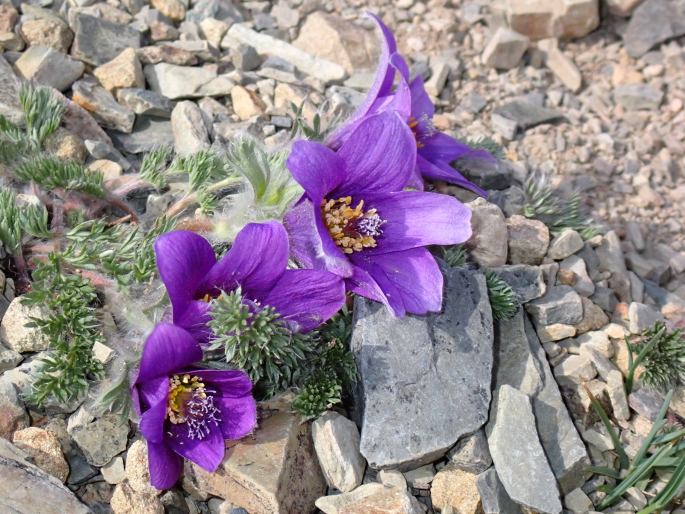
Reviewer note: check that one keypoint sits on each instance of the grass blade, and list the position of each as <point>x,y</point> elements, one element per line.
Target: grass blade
<point>624,461</point>
<point>659,422</point>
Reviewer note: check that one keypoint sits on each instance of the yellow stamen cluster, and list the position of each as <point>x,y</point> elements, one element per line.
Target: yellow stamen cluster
<point>181,389</point>
<point>340,218</point>
<point>413,125</point>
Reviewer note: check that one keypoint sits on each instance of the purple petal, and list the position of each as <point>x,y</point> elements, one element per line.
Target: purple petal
<point>152,420</point>
<point>183,259</point>
<point>228,383</point>
<point>167,349</point>
<point>416,218</point>
<point>310,243</point>
<point>206,453</point>
<point>363,284</point>
<point>442,147</point>
<point>411,280</point>
<point>379,156</point>
<point>307,297</point>
<point>316,168</point>
<point>164,465</point>
<point>194,319</point>
<point>421,104</point>
<point>440,170</point>
<point>255,261</point>
<point>238,416</point>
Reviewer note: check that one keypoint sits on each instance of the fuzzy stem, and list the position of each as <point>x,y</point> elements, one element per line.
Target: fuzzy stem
<point>191,198</point>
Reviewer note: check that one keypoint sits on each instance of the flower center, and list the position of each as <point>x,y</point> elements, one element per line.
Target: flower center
<point>191,403</point>
<point>352,228</point>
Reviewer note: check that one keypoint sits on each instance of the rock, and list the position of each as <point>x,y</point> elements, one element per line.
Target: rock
<point>521,363</point>
<point>337,40</point>
<point>622,7</point>
<point>98,41</point>
<point>488,244</point>
<point>505,49</point>
<point>160,31</point>
<point>370,498</point>
<point>421,478</point>
<point>8,17</point>
<point>52,33</point>
<point>534,18</point>
<point>439,73</point>
<point>528,240</point>
<point>336,441</point>
<point>102,105</point>
<point>26,489</point>
<point>636,97</point>
<point>245,57</point>
<point>574,370</point>
<point>555,332</point>
<point>13,416</point>
<point>526,281</point>
<point>44,451</point>
<point>605,298</point>
<point>565,244</point>
<point>113,472</point>
<point>8,358</point>
<point>99,439</point>
<point>653,22</point>
<point>407,365</point>
<point>577,18</point>
<point>504,126</point>
<point>219,9</point>
<point>190,131</point>
<point>125,500</point>
<point>578,501</point>
<point>148,134</point>
<point>145,102</point>
<point>617,395</point>
<point>471,453</point>
<point>137,470</point>
<point>527,114</point>
<point>246,104</point>
<point>172,9</point>
<point>457,489</point>
<point>641,317</point>
<point>583,283</point>
<point>646,403</point>
<point>9,92</point>
<point>494,499</point>
<point>49,67</point>
<point>274,471</point>
<point>122,71</point>
<point>321,69</point>
<point>66,146</point>
<point>518,455</point>
<point>167,54</point>
<point>213,31</point>
<point>175,82</point>
<point>560,304</point>
<point>15,333</point>
<point>110,171</point>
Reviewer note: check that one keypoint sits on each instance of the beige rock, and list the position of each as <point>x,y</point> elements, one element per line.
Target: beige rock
<point>11,41</point>
<point>371,498</point>
<point>214,30</point>
<point>44,450</point>
<point>574,370</point>
<point>533,18</point>
<point>275,470</point>
<point>577,18</point>
<point>555,332</point>
<point>172,9</point>
<point>66,146</point>
<point>340,41</point>
<point>246,104</point>
<point>457,489</point>
<point>160,31</point>
<point>8,17</point>
<point>528,240</point>
<point>13,415</point>
<point>594,318</point>
<point>561,65</point>
<point>126,500</point>
<point>124,70</point>
<point>137,471</point>
<point>113,472</point>
<point>622,7</point>
<point>285,94</point>
<point>13,330</point>
<point>488,243</point>
<point>110,170</point>
<point>47,32</point>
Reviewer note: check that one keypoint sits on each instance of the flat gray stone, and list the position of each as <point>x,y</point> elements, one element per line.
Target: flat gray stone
<point>148,133</point>
<point>223,10</point>
<point>8,358</point>
<point>9,93</point>
<point>175,82</point>
<point>494,498</point>
<point>505,49</point>
<point>584,284</point>
<point>471,453</point>
<point>518,454</point>
<point>97,41</point>
<point>432,372</point>
<point>488,242</point>
<point>638,97</point>
<point>560,304</point>
<point>565,244</point>
<point>49,67</point>
<point>102,105</point>
<point>527,282</point>
<point>641,317</point>
<point>99,439</point>
<point>646,403</point>
<point>527,114</point>
<point>189,129</point>
<point>654,22</point>
<point>145,102</point>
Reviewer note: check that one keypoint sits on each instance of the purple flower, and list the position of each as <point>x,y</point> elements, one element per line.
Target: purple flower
<point>356,221</point>
<point>187,412</point>
<point>435,151</point>
<point>257,264</point>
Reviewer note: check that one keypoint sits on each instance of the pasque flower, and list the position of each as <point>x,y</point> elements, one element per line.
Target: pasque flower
<point>187,412</point>
<point>436,151</point>
<point>356,221</point>
<point>257,264</point>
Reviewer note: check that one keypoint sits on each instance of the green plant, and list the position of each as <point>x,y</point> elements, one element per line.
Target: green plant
<point>503,300</point>
<point>661,353</point>
<point>51,173</point>
<point>154,166</point>
<point>321,392</point>
<point>455,256</point>
<point>488,144</point>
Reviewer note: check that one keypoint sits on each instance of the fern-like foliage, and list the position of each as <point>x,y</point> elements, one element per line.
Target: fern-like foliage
<point>51,173</point>
<point>42,112</point>
<point>16,222</point>
<point>202,167</point>
<point>154,166</point>
<point>661,353</point>
<point>503,300</point>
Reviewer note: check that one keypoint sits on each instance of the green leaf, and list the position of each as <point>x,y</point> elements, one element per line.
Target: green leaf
<point>623,457</point>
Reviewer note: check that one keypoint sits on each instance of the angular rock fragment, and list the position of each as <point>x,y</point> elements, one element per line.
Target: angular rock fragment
<point>102,105</point>
<point>148,133</point>
<point>145,102</point>
<point>457,489</point>
<point>653,22</point>
<point>528,240</point>
<point>505,49</point>
<point>371,498</point>
<point>526,281</point>
<point>471,453</point>
<point>49,67</point>
<point>636,97</point>
<point>488,243</point>
<point>44,449</point>
<point>431,371</point>
<point>188,126</point>
<point>527,114</point>
<point>9,93</point>
<point>98,41</point>
<point>99,439</point>
<point>494,498</point>
<point>177,82</point>
<point>51,32</point>
<point>13,415</point>
<point>15,332</point>
<point>122,71</point>
<point>560,304</point>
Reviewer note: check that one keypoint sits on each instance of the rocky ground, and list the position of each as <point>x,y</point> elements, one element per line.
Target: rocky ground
<point>454,412</point>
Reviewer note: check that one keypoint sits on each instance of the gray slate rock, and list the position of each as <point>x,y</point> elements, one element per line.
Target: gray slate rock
<point>584,284</point>
<point>145,102</point>
<point>560,304</point>
<point>654,22</point>
<point>189,129</point>
<point>148,133</point>
<point>433,372</point>
<point>9,93</point>
<point>176,82</point>
<point>565,244</point>
<point>223,10</point>
<point>527,282</point>
<point>102,105</point>
<point>518,455</point>
<point>638,97</point>
<point>646,403</point>
<point>471,453</point>
<point>494,498</point>
<point>27,489</point>
<point>97,41</point>
<point>99,439</point>
<point>527,114</point>
<point>8,357</point>
<point>49,67</point>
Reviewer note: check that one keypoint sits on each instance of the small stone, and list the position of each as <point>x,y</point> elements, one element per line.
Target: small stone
<point>13,330</point>
<point>160,31</point>
<point>98,41</point>
<point>49,67</point>
<point>8,358</point>
<point>653,22</point>
<point>504,126</point>
<point>99,439</point>
<point>125,500</point>
<point>148,133</point>
<point>617,395</point>
<point>471,453</point>
<point>646,403</point>
<point>110,170</point>
<point>488,243</point>
<point>527,114</point>
<point>13,416</point>
<point>336,441</point>
<point>534,18</point>
<point>635,97</point>
<point>113,472</point>
<point>213,31</point>
<point>176,82</point>
<point>505,49</point>
<point>246,104</point>
<point>392,478</point>
<point>167,54</point>
<point>436,83</point>
<point>594,318</point>
<point>641,317</point>
<point>51,32</point>
<point>457,489</point>
<point>122,71</point>
<point>148,103</point>
<point>574,370</point>
<point>560,304</point>
<point>8,17</point>
<point>494,499</point>
<point>245,57</point>
<point>66,146</point>
<point>565,244</point>
<point>285,16</point>
<point>172,9</point>
<point>577,18</point>
<point>370,498</point>
<point>44,450</point>
<point>555,332</point>
<point>578,501</point>
<point>421,478</point>
<point>190,131</point>
<point>102,105</point>
<point>528,240</point>
<point>527,281</point>
<point>583,283</point>
<point>137,469</point>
